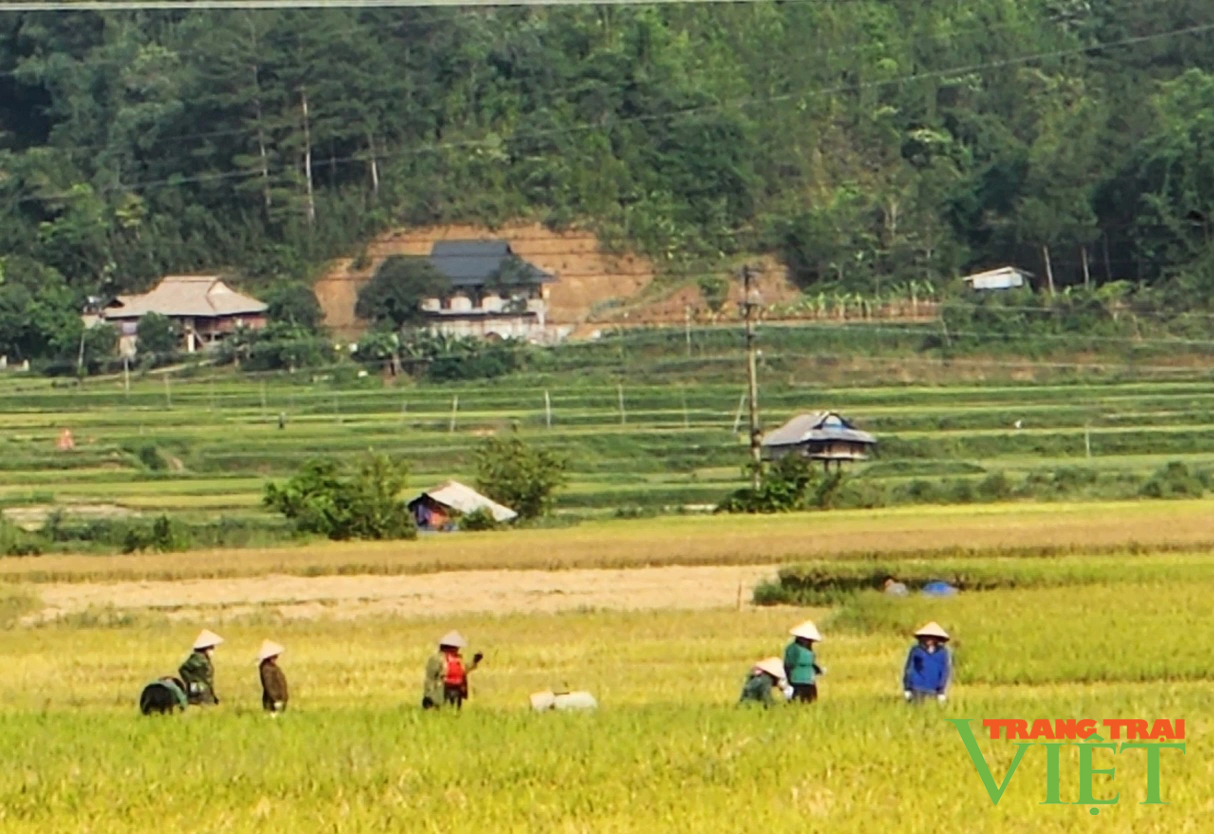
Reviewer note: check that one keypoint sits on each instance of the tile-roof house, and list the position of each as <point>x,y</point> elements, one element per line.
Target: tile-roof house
<point>821,435</point>
<point>492,290</point>
<point>203,306</point>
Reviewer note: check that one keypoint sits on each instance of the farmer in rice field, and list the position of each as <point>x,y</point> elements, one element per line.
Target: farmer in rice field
<point>198,673</point>
<point>273,681</point>
<point>800,664</point>
<point>928,666</point>
<point>163,695</point>
<point>764,675</point>
<point>446,674</point>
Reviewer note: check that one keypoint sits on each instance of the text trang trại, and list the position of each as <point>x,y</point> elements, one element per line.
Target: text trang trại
<point>1124,734</point>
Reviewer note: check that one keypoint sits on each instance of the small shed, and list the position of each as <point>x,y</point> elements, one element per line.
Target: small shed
<point>441,507</point>
<point>1004,278</point>
<point>821,435</point>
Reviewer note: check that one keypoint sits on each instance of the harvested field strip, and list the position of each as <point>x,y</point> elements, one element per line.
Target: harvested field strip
<point>1017,529</point>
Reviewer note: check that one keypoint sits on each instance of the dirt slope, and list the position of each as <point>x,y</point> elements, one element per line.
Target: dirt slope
<point>591,285</point>
<point>586,276</point>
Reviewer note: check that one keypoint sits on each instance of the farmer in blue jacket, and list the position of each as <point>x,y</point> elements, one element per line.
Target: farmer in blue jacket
<point>928,666</point>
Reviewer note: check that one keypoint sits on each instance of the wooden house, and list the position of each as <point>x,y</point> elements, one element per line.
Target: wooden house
<point>204,308</point>
<point>821,435</point>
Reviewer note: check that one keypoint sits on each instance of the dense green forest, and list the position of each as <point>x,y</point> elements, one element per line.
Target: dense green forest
<point>865,142</point>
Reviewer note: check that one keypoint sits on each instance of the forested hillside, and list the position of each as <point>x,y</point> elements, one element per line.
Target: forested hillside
<point>866,142</point>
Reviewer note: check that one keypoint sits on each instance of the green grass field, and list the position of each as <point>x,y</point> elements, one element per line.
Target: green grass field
<point>674,446</point>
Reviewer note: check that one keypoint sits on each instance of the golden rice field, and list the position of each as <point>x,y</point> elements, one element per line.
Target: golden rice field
<point>668,750</point>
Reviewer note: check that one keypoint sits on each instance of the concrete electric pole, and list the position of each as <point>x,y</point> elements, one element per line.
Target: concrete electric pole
<point>749,305</point>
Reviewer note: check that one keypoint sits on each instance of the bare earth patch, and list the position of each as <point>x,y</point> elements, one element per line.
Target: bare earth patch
<point>348,597</point>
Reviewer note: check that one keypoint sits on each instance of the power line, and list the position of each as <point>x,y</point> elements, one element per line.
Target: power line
<point>364,157</point>
<point>219,5</point>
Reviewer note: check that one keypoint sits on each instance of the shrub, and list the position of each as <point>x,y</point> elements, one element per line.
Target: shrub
<point>367,504</point>
<point>784,486</point>
<point>478,519</point>
<point>152,459</point>
<point>523,478</point>
<point>163,535</point>
<point>1173,481</point>
<point>16,542</point>
<point>994,487</point>
<point>157,334</point>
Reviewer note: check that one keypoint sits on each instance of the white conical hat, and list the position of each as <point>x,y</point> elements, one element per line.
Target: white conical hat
<point>932,629</point>
<point>207,639</point>
<point>269,649</point>
<point>453,639</point>
<point>807,630</point>
<point>773,666</point>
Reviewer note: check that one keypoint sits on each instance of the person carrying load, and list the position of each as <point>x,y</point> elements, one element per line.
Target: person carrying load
<point>446,681</point>
<point>163,695</point>
<point>800,664</point>
<point>929,667</point>
<point>763,676</point>
<point>198,673</point>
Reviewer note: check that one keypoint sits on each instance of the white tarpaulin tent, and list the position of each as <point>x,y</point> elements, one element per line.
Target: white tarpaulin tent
<point>464,499</point>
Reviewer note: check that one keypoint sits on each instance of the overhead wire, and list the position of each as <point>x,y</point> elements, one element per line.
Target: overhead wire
<point>363,157</point>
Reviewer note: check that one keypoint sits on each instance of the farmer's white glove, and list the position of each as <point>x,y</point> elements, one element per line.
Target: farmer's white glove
<point>941,698</point>
<point>907,695</point>
<point>787,690</point>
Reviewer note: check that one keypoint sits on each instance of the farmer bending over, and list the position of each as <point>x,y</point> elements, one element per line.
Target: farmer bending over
<point>764,675</point>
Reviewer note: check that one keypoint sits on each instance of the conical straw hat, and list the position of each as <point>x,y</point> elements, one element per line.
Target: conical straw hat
<point>453,639</point>
<point>207,639</point>
<point>932,629</point>
<point>773,666</point>
<point>807,630</point>
<point>269,649</point>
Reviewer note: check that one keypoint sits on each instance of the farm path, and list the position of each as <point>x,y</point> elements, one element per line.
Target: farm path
<point>347,597</point>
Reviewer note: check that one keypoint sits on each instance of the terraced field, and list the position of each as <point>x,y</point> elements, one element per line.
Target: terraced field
<point>209,444</point>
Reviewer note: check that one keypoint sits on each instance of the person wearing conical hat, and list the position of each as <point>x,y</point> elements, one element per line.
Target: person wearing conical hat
<point>446,681</point>
<point>198,673</point>
<point>163,695</point>
<point>764,675</point>
<point>929,666</point>
<point>273,681</point>
<point>800,663</point>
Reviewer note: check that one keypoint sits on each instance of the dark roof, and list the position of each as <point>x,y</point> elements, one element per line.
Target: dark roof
<point>818,426</point>
<point>471,263</point>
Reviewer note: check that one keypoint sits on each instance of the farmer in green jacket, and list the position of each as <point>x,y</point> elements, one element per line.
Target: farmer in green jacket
<point>198,673</point>
<point>800,664</point>
<point>764,675</point>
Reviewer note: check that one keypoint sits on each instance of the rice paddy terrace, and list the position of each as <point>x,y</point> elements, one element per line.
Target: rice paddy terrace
<point>200,447</point>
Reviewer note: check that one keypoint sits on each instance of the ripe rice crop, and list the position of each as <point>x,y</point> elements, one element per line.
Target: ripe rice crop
<point>667,751</point>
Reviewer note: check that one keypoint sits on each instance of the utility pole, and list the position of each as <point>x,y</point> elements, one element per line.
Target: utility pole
<point>752,377</point>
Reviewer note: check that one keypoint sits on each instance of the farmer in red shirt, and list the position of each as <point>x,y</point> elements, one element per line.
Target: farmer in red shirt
<point>446,675</point>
